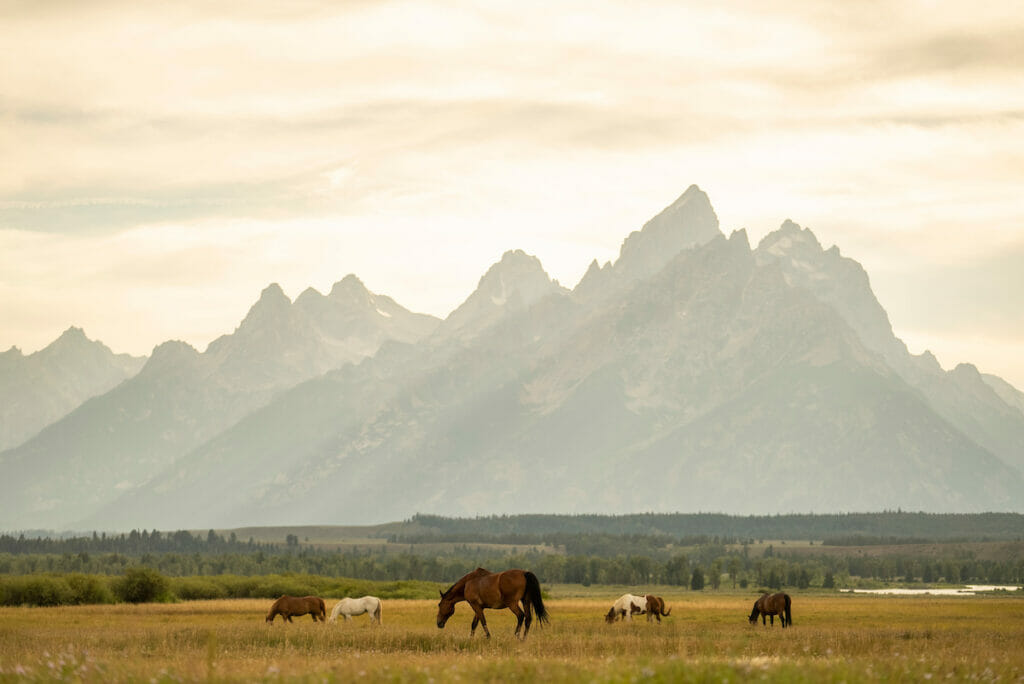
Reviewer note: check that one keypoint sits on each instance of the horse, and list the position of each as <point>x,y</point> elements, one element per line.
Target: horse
<point>772,605</point>
<point>349,607</point>
<point>485,589</point>
<point>656,607</point>
<point>287,606</point>
<point>625,606</point>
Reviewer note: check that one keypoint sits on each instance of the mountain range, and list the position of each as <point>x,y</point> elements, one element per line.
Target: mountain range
<point>693,373</point>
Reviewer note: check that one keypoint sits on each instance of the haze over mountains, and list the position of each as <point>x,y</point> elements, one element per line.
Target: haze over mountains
<point>695,373</point>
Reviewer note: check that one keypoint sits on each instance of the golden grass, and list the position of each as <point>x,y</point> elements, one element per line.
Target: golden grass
<point>707,638</point>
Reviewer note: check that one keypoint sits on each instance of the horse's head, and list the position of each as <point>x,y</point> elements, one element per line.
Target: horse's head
<point>610,617</point>
<point>445,609</point>
<point>754,615</point>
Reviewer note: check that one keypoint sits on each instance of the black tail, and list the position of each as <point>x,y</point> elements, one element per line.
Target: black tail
<point>789,614</point>
<point>532,594</point>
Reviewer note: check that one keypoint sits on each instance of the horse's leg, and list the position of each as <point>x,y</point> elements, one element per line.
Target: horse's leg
<point>478,619</point>
<point>528,611</point>
<point>520,616</point>
<point>771,619</point>
<point>483,622</point>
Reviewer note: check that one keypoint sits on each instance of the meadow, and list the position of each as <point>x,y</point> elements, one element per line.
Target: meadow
<point>835,637</point>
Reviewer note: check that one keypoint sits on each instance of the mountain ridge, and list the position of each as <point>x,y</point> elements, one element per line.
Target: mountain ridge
<point>735,378</point>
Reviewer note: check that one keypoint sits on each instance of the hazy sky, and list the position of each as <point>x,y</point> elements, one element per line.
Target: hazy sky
<point>160,163</point>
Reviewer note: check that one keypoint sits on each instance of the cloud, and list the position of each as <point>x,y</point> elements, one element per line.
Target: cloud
<point>456,130</point>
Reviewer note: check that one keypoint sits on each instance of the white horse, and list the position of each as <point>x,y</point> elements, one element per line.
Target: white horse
<point>349,607</point>
<point>625,606</point>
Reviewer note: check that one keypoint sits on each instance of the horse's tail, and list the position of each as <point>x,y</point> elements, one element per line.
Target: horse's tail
<point>377,611</point>
<point>323,608</point>
<point>665,611</point>
<point>789,614</point>
<point>532,595</point>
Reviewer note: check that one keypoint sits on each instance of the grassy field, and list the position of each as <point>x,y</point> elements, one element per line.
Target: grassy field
<point>707,638</point>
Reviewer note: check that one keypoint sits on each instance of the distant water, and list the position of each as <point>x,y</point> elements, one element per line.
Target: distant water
<point>969,590</point>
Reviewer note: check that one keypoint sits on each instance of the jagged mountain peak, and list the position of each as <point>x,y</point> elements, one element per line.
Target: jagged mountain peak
<point>687,222</point>
<point>967,370</point>
<point>519,272</point>
<point>927,360</point>
<point>273,305</point>
<point>513,283</point>
<point>72,338</point>
<point>594,279</point>
<point>273,294</point>
<point>741,237</point>
<point>73,334</point>
<point>73,342</point>
<point>349,286</point>
<point>839,281</point>
<point>309,294</point>
<point>172,354</point>
<point>172,348</point>
<point>790,237</point>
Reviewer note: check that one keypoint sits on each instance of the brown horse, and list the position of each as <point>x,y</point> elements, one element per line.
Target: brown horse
<point>484,589</point>
<point>656,607</point>
<point>772,605</point>
<point>287,606</point>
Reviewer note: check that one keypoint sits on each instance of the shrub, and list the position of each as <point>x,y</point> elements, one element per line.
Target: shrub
<point>89,589</point>
<point>197,588</point>
<point>36,590</point>
<point>142,585</point>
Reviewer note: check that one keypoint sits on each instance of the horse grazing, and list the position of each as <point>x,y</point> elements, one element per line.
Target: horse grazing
<point>625,606</point>
<point>656,607</point>
<point>350,607</point>
<point>772,605</point>
<point>287,606</point>
<point>485,589</point>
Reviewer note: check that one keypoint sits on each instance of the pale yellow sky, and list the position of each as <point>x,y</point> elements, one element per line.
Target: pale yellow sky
<point>160,163</point>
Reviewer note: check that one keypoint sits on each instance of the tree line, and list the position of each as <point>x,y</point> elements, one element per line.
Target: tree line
<point>709,566</point>
<point>896,524</point>
<point>134,542</point>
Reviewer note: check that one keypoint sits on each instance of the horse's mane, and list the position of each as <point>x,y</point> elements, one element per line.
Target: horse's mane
<point>465,578</point>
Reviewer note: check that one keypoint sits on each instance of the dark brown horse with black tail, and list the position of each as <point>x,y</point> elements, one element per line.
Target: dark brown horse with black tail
<point>484,589</point>
<point>772,605</point>
<point>287,606</point>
